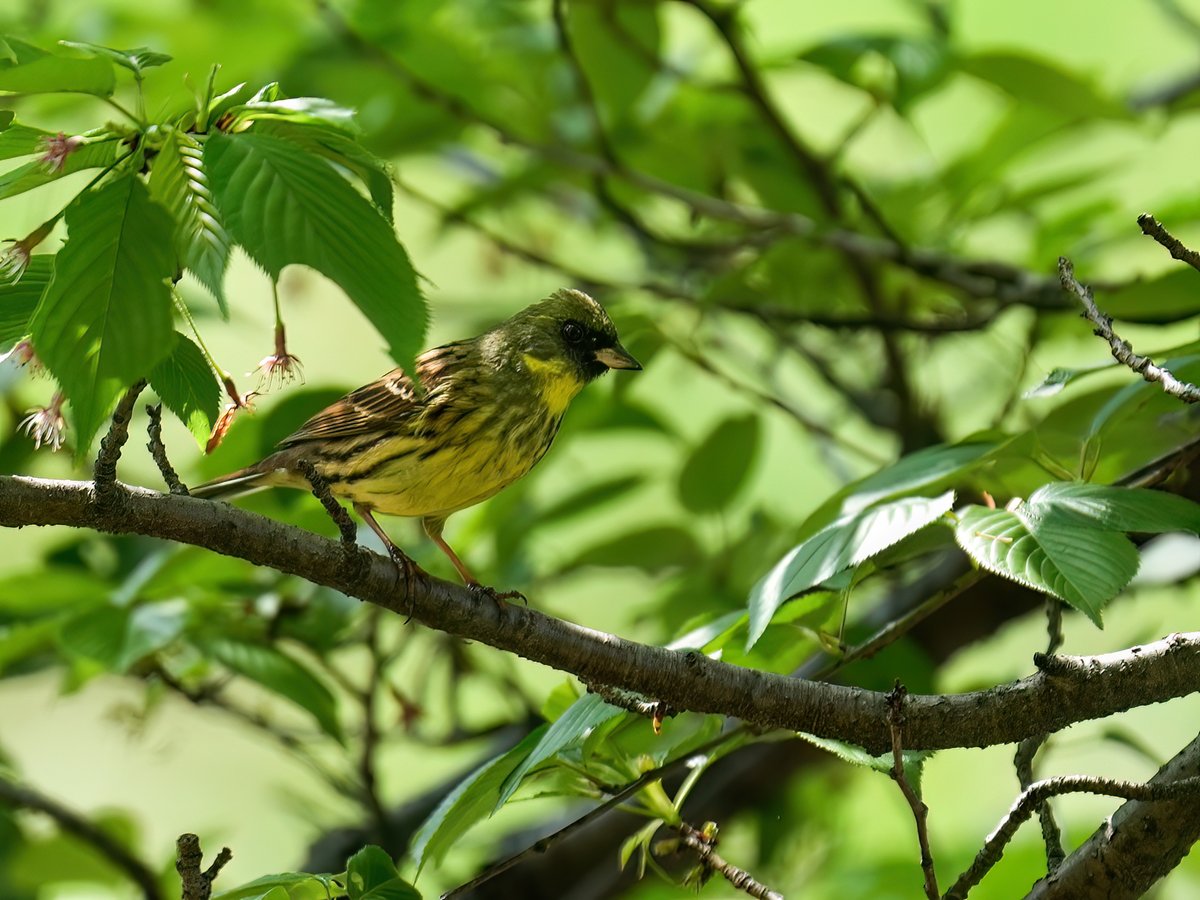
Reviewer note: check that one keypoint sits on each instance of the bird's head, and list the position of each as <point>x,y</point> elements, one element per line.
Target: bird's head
<point>567,336</point>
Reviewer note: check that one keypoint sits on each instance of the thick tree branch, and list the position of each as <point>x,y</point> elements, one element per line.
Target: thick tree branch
<point>1092,688</point>
<point>1139,843</point>
<point>73,823</point>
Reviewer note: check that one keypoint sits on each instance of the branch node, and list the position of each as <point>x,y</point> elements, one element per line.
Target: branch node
<point>104,474</point>
<point>1151,228</point>
<point>158,451</point>
<point>655,710</point>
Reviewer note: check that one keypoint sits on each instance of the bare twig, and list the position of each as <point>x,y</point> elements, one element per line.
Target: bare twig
<point>1122,351</point>
<point>919,810</point>
<point>1028,749</point>
<point>320,490</point>
<point>1039,792</point>
<point>104,474</point>
<point>1151,228</point>
<point>197,885</point>
<point>703,841</point>
<point>158,450</point>
<point>73,823</point>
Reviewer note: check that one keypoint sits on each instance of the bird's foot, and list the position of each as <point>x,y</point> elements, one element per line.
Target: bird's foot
<point>405,564</point>
<point>497,597</point>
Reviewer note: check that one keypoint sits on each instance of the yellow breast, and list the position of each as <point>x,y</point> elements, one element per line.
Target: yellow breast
<point>557,382</point>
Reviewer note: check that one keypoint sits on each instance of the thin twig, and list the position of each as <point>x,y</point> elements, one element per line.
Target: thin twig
<point>618,796</point>
<point>1151,228</point>
<point>1028,749</point>
<point>158,451</point>
<point>704,845</point>
<point>320,490</point>
<point>73,823</point>
<point>1038,792</point>
<point>919,810</point>
<point>1122,350</point>
<point>104,474</point>
<point>197,885</point>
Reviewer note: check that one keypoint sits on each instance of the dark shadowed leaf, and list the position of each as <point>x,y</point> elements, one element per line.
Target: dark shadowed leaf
<point>720,465</point>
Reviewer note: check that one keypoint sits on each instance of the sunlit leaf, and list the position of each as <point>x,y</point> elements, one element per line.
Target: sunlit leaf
<point>95,154</point>
<point>371,875</point>
<point>847,542</point>
<point>19,300</point>
<point>136,60</point>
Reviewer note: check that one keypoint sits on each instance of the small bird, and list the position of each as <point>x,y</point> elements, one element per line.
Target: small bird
<point>489,410</point>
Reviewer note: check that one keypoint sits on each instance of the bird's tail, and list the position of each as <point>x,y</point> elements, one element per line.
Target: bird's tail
<point>235,484</point>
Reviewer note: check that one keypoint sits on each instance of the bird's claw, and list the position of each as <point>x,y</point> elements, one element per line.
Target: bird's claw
<point>497,597</point>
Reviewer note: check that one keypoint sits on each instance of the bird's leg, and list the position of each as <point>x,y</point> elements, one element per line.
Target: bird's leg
<point>433,527</point>
<point>406,563</point>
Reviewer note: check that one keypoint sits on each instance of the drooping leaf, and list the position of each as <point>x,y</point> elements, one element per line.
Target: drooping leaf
<point>842,545</point>
<point>1170,297</point>
<point>95,154</point>
<point>136,60</point>
<point>472,800</point>
<point>1084,566</point>
<point>105,319</point>
<point>572,727</point>
<point>26,69</point>
<point>371,875</point>
<point>180,182</point>
<point>720,465</point>
<point>281,674</point>
<point>185,383</point>
<point>18,301</point>
<point>287,206</point>
<point>1060,378</point>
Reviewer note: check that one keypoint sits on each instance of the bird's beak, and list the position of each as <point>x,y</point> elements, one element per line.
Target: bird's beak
<point>617,357</point>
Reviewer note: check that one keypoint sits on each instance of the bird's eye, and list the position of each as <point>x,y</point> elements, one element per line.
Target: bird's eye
<point>572,332</point>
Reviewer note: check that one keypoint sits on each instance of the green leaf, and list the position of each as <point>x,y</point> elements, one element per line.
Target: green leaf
<point>1060,378</point>
<point>654,548</point>
<point>1084,566</point>
<point>185,383</point>
<point>571,728</point>
<point>720,465</point>
<point>473,799</point>
<point>346,152</point>
<point>22,140</point>
<point>919,64</point>
<point>180,182</point>
<point>26,69</point>
<point>136,60</point>
<point>371,875</point>
<point>1117,508</point>
<point>930,469</point>
<point>286,206</point>
<point>105,319</point>
<point>18,301</point>
<point>1041,83</point>
<point>1170,297</point>
<point>298,110</point>
<point>913,761</point>
<point>96,154</point>
<point>280,673</point>
<point>283,886</point>
<point>846,543</point>
<point>6,118</point>
<point>614,41</point>
<point>117,636</point>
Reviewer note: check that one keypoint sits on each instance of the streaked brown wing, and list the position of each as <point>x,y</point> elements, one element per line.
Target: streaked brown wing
<point>384,403</point>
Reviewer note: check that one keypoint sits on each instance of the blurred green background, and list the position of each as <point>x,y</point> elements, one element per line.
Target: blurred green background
<point>1015,132</point>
